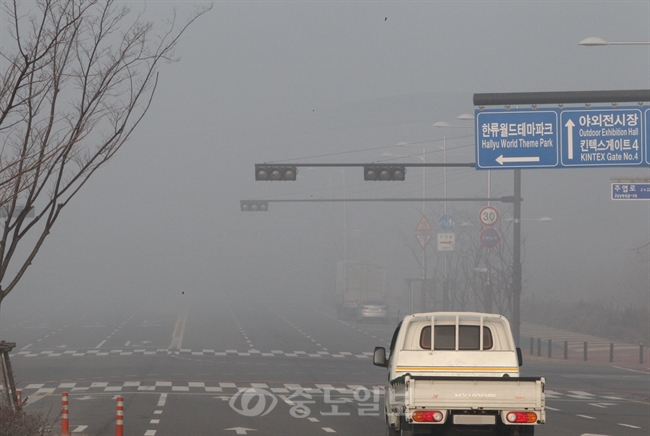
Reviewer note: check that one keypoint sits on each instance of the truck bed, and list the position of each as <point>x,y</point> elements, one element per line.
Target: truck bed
<point>458,393</point>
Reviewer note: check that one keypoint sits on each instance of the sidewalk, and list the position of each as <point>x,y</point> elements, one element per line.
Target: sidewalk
<point>599,350</point>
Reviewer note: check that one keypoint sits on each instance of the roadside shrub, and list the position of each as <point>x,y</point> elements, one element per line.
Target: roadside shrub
<point>627,324</point>
<point>21,423</point>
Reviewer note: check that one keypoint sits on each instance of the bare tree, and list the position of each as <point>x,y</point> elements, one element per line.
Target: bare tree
<point>77,78</point>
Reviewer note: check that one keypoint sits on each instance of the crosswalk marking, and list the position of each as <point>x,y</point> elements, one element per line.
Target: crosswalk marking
<point>204,352</point>
<point>164,386</point>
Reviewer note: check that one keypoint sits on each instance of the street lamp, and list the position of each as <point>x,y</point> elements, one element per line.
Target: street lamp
<point>465,117</point>
<point>423,158</point>
<point>445,296</point>
<point>594,41</point>
<point>345,230</point>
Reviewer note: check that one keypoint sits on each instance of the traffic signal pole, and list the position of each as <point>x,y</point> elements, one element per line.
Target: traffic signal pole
<point>505,199</point>
<point>382,172</point>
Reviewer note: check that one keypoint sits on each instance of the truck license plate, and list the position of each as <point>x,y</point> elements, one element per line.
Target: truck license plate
<point>475,419</point>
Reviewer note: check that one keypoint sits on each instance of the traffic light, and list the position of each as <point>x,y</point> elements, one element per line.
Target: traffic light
<point>384,172</point>
<point>275,172</point>
<point>254,205</point>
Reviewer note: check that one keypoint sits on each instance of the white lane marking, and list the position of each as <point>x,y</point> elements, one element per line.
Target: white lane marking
<point>598,405</point>
<point>582,393</point>
<point>618,367</point>
<point>179,331</point>
<point>127,343</point>
<point>240,430</point>
<point>328,430</point>
<point>313,419</point>
<point>26,346</point>
<point>159,412</point>
<point>162,400</point>
<point>101,343</point>
<point>586,416</point>
<point>629,425</point>
<point>154,421</point>
<point>553,409</point>
<point>79,429</point>
<point>150,433</point>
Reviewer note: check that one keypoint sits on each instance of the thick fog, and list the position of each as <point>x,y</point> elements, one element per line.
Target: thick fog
<point>319,82</point>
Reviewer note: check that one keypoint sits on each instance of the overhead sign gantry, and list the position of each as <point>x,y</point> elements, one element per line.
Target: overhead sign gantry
<point>562,137</point>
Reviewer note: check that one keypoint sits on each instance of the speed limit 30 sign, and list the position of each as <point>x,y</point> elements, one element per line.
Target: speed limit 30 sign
<point>488,216</point>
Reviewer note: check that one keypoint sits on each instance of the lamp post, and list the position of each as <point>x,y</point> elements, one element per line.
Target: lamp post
<point>423,158</point>
<point>445,289</point>
<point>345,236</point>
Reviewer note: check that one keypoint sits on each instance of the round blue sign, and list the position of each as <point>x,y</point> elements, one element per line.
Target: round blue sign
<point>446,223</point>
<point>489,237</point>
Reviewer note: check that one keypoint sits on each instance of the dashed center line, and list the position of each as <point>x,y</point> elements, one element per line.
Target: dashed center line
<point>629,425</point>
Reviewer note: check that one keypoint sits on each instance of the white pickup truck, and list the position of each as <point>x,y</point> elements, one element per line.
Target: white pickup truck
<point>463,378</point>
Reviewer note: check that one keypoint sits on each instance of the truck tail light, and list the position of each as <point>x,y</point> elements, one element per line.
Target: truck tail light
<point>427,416</point>
<point>522,417</point>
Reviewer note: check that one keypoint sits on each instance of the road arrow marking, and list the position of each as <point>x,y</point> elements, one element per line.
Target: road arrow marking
<point>241,430</point>
<point>501,160</point>
<point>569,127</point>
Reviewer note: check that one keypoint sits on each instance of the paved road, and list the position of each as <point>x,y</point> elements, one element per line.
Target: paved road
<point>244,365</point>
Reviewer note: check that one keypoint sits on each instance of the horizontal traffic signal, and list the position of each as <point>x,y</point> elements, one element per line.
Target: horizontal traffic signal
<point>254,205</point>
<point>384,172</point>
<point>275,172</point>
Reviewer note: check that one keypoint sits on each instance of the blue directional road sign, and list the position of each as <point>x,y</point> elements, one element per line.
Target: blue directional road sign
<point>446,223</point>
<point>562,138</point>
<point>601,137</point>
<point>646,120</point>
<point>516,139</point>
<point>630,191</point>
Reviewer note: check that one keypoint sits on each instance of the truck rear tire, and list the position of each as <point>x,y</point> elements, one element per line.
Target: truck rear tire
<point>526,430</point>
<point>405,429</point>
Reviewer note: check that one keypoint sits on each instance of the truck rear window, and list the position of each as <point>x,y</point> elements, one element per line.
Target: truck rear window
<point>445,339</point>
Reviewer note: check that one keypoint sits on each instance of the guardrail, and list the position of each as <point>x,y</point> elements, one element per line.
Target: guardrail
<point>600,352</point>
